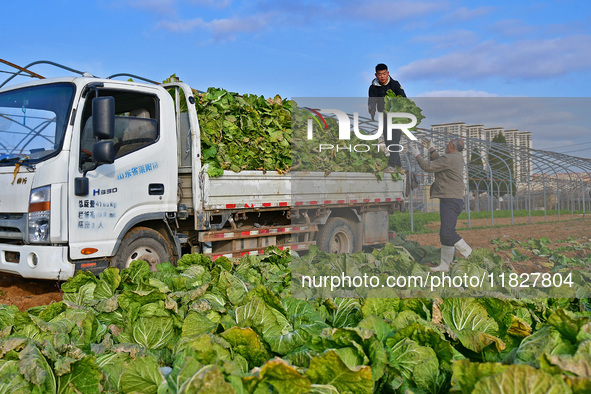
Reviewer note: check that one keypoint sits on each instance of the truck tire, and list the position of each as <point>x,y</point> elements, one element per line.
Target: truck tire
<point>143,243</point>
<point>338,236</point>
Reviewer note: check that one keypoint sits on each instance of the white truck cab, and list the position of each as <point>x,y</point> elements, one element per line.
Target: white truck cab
<point>46,225</point>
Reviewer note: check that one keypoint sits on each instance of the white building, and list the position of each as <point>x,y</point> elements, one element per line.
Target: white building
<point>519,139</point>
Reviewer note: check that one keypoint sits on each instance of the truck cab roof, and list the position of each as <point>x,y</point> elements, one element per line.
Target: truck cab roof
<point>81,82</point>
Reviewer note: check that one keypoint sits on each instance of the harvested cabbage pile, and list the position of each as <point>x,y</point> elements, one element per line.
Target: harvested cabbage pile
<point>250,132</point>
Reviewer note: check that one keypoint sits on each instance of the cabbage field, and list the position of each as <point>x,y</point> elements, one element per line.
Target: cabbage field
<point>234,326</point>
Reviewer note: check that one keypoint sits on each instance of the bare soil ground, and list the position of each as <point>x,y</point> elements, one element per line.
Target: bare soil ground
<point>579,229</point>
<point>26,293</point>
<point>555,230</point>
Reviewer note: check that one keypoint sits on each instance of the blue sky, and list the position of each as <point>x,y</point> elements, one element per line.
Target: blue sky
<point>318,49</point>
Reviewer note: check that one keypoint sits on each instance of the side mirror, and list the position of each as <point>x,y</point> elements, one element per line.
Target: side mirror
<point>103,152</point>
<point>81,186</point>
<point>103,117</point>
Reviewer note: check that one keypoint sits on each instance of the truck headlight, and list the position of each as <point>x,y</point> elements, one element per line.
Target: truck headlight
<point>39,214</point>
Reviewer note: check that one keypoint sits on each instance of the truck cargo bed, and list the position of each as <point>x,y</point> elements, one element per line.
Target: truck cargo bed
<point>255,189</point>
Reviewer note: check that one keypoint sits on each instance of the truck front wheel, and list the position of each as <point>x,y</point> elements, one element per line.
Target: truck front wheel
<point>143,243</point>
<point>337,236</point>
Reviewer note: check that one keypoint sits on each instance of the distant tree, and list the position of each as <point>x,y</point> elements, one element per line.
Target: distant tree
<point>501,164</point>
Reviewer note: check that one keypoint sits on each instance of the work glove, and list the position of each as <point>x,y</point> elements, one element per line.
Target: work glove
<point>428,143</point>
<point>413,151</point>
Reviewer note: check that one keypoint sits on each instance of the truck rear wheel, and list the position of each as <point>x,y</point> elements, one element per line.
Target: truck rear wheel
<point>337,236</point>
<point>143,243</point>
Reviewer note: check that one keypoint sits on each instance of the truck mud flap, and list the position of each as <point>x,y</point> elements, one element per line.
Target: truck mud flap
<point>95,266</point>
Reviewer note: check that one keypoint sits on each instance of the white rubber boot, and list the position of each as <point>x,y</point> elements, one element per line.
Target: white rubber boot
<point>447,256</point>
<point>463,248</point>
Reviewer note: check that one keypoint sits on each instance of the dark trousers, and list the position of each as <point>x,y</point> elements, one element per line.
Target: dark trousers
<point>449,210</point>
<point>394,160</point>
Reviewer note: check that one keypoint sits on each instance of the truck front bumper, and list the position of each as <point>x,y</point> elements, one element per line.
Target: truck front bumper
<point>36,261</point>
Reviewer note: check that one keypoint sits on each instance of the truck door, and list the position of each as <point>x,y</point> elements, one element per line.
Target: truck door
<point>139,186</point>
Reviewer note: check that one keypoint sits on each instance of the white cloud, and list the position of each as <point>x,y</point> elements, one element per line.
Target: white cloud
<point>464,14</point>
<point>156,6</point>
<point>212,3</point>
<point>171,6</point>
<point>457,93</point>
<point>526,59</point>
<point>512,27</point>
<point>225,28</point>
<point>455,38</point>
<point>182,26</point>
<point>391,11</point>
<point>255,17</point>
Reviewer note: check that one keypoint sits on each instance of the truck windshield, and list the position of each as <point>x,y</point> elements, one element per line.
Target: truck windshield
<point>33,122</point>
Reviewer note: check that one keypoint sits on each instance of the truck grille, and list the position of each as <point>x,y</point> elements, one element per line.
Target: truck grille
<point>11,216</point>
<point>12,227</point>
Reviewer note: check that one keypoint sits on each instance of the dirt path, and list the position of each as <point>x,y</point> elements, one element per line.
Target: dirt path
<point>26,293</point>
<point>463,223</point>
<point>482,237</point>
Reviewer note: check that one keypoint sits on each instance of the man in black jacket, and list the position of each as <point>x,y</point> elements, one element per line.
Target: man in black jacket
<point>377,91</point>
